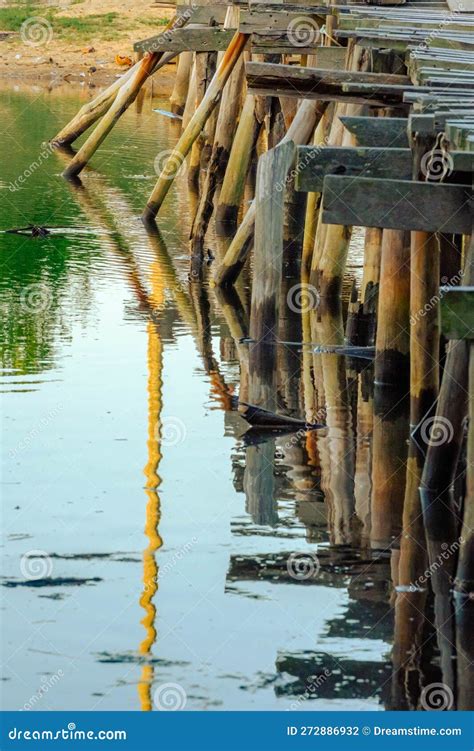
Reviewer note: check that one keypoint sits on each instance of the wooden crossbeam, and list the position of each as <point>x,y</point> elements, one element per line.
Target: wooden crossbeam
<point>397,204</point>
<point>203,39</point>
<point>324,84</point>
<point>457,312</point>
<point>314,163</point>
<point>378,131</point>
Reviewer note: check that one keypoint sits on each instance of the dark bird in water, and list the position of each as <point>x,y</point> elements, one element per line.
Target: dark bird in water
<point>33,229</point>
<point>39,231</point>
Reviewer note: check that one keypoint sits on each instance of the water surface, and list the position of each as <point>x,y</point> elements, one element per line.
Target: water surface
<point>144,543</point>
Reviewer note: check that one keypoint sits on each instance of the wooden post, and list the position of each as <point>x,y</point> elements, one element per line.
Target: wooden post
<point>125,97</point>
<point>227,119</point>
<point>393,340</point>
<point>233,184</point>
<point>271,173</point>
<point>370,286</point>
<point>181,83</point>
<point>190,105</point>
<point>195,126</point>
<point>204,70</point>
<point>299,132</point>
<point>92,111</point>
<point>464,585</point>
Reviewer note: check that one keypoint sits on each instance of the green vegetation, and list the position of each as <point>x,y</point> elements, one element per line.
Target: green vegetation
<point>108,25</point>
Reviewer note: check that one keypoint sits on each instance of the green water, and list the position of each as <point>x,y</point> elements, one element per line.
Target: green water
<point>136,527</point>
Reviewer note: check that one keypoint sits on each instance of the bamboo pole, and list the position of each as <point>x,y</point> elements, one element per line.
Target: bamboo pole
<point>300,131</point>
<point>181,82</point>
<point>195,126</point>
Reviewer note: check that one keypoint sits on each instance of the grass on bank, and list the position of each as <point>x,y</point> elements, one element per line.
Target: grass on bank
<point>107,26</point>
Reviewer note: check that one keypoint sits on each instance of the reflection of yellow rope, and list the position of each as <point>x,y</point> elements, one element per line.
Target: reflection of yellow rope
<point>153,481</point>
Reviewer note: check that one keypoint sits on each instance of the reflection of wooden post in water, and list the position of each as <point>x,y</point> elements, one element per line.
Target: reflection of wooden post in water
<point>389,465</point>
<point>272,170</point>
<point>337,446</point>
<point>363,462</point>
<point>150,567</point>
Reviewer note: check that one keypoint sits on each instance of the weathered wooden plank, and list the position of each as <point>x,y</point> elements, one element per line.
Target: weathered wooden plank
<point>324,84</point>
<point>313,164</point>
<point>204,39</point>
<point>378,131</point>
<point>457,312</point>
<point>397,204</point>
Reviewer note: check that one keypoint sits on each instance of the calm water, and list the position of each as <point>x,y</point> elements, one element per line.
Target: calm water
<point>144,543</point>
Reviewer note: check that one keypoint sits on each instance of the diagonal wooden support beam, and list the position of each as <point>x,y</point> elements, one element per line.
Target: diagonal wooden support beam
<point>195,126</point>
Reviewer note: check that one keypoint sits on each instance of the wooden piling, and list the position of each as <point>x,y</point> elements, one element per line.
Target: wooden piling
<point>195,126</point>
<point>464,584</point>
<point>272,172</point>
<point>300,131</point>
<point>233,184</point>
<point>393,339</point>
<point>125,97</point>
<point>93,111</point>
<point>181,83</point>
